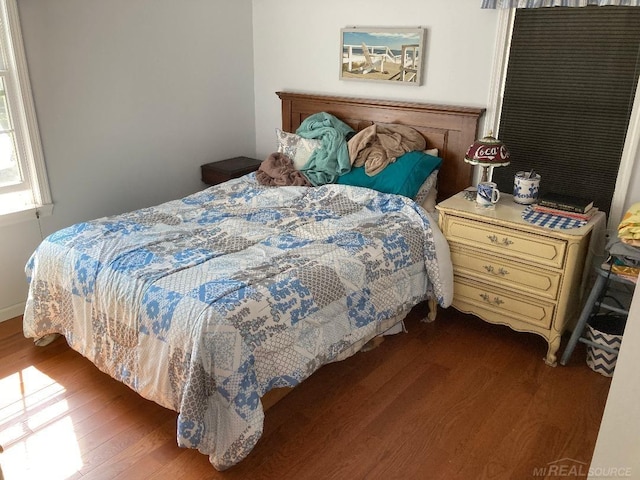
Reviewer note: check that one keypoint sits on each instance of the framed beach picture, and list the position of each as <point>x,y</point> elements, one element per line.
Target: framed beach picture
<point>382,54</point>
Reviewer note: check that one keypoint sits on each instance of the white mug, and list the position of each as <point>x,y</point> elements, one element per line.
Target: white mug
<point>526,187</point>
<point>488,194</point>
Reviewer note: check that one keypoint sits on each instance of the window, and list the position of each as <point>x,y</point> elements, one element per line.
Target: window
<point>567,99</point>
<point>24,191</point>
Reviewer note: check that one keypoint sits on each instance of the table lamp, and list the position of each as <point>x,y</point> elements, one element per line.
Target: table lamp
<point>488,152</point>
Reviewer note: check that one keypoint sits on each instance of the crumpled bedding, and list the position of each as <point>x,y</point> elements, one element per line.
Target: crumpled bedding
<point>331,160</point>
<point>380,144</point>
<point>277,170</point>
<point>204,304</point>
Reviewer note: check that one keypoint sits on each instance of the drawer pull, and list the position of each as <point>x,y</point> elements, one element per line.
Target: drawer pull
<point>496,300</point>
<point>501,271</point>
<point>494,239</point>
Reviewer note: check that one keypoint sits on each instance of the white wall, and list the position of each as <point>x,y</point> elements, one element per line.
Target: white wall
<point>616,449</point>
<point>131,98</point>
<point>633,191</point>
<point>17,242</point>
<point>297,48</point>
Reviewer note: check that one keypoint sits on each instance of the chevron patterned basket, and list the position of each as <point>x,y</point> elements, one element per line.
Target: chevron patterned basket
<point>599,360</point>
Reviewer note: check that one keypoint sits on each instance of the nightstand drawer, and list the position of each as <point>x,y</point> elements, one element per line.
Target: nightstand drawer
<point>510,275</point>
<point>500,306</point>
<point>537,249</point>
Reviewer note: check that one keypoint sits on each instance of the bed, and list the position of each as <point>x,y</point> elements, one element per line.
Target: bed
<point>208,304</point>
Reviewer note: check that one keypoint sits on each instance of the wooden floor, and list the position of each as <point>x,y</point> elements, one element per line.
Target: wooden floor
<point>454,399</point>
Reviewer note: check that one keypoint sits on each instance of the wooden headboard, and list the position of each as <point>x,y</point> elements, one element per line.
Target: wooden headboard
<point>450,129</point>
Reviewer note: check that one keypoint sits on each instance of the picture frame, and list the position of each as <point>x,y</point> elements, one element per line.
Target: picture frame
<point>382,54</point>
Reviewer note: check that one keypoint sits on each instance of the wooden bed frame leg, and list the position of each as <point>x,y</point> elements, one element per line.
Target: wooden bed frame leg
<point>433,310</point>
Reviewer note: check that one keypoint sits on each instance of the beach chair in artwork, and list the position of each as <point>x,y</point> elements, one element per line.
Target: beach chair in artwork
<point>369,65</point>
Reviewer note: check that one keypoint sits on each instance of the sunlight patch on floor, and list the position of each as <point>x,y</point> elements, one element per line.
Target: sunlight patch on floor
<point>36,430</point>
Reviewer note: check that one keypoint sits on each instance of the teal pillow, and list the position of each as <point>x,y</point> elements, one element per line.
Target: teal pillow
<point>405,176</point>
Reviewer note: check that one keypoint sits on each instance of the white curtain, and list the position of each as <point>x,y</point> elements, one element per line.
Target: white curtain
<point>555,3</point>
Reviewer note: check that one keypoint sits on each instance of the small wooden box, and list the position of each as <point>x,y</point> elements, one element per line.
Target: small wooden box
<point>217,172</point>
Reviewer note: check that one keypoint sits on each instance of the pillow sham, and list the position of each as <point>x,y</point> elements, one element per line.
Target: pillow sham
<point>428,193</point>
<point>295,147</point>
<point>404,177</point>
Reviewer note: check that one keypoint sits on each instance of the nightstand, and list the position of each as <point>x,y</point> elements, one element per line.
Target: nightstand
<point>218,172</point>
<point>510,272</point>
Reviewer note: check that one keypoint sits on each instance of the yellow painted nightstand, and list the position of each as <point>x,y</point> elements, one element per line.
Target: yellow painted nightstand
<point>510,272</point>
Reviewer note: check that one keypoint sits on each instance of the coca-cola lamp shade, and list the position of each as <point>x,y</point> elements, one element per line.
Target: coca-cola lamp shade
<point>488,152</point>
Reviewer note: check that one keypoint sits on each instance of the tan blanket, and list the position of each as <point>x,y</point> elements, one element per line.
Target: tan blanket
<point>380,144</point>
<point>277,170</point>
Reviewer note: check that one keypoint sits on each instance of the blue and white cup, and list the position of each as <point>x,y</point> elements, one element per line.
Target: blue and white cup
<point>526,188</point>
<point>488,194</point>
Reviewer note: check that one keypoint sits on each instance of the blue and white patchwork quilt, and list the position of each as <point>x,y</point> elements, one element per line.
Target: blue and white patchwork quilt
<point>204,304</point>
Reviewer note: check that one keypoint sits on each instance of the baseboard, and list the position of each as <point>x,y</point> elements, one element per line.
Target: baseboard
<point>11,312</point>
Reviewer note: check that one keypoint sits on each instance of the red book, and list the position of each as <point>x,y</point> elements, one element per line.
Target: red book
<point>563,213</point>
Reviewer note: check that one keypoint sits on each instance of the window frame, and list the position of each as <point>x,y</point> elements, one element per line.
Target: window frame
<point>29,151</point>
<point>631,148</point>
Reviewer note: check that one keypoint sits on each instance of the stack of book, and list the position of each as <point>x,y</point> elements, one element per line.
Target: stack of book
<point>565,206</point>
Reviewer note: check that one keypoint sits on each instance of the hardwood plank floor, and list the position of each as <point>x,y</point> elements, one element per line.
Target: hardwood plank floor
<point>453,399</point>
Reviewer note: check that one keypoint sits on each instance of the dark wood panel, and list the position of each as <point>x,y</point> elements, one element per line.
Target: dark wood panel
<point>217,172</point>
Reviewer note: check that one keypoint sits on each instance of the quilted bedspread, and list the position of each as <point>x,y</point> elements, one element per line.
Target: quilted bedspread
<point>203,304</point>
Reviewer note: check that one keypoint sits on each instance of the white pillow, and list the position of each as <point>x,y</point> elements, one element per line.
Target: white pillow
<point>428,193</point>
<point>295,147</point>
<point>432,151</point>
